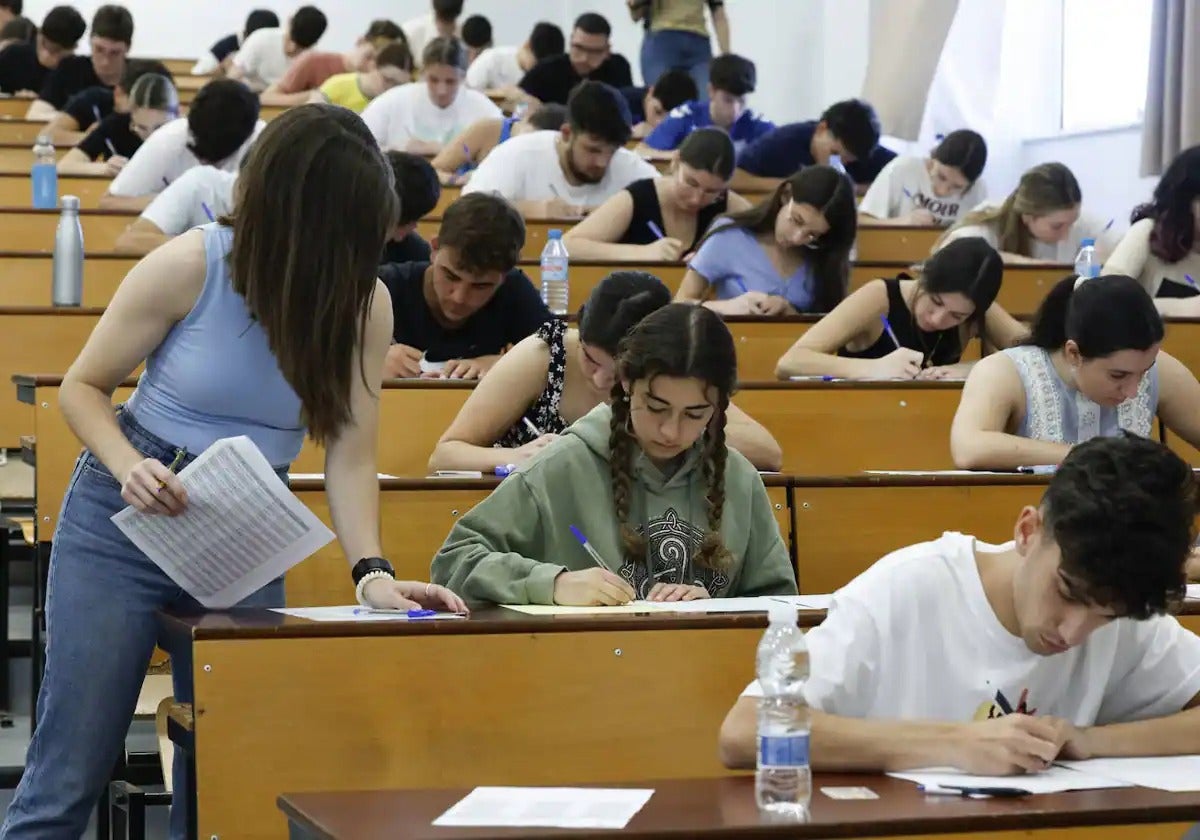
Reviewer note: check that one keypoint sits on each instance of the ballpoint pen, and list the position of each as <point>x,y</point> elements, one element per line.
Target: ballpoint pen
<point>180,454</point>
<point>587,546</point>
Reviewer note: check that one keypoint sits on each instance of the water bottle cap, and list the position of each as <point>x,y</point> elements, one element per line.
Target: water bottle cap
<point>1089,242</point>
<point>555,233</point>
<point>70,202</point>
<point>781,612</point>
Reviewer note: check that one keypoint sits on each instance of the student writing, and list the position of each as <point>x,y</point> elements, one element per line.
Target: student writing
<point>25,66</point>
<point>266,54</point>
<point>498,70</point>
<point>788,254</point>
<point>478,140</point>
<point>1092,367</point>
<point>218,58</point>
<point>1003,659</point>
<point>674,513</point>
<point>589,57</point>
<point>111,38</point>
<point>313,68</point>
<point>936,190</point>
<point>89,106</point>
<point>393,67</point>
<point>440,22</point>
<point>931,319</point>
<point>558,375</point>
<point>152,102</point>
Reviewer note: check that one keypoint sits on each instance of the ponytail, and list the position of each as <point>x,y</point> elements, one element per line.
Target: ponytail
<point>1103,315</point>
<point>1049,328</point>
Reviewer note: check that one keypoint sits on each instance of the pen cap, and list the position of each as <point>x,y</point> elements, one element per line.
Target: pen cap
<point>781,612</point>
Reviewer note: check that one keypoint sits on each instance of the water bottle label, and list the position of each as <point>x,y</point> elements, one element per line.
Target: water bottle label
<point>783,750</point>
<point>44,178</point>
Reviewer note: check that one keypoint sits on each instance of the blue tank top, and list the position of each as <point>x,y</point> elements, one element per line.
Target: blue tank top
<point>214,375</point>
<point>506,129</point>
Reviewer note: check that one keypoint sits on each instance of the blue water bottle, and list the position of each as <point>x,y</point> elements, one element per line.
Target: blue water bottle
<point>44,175</point>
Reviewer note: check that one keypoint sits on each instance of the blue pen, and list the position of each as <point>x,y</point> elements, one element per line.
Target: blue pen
<point>208,212</point>
<point>887,327</point>
<point>96,113</point>
<point>1107,226</point>
<point>656,230</point>
<point>466,165</point>
<point>405,613</point>
<point>587,546</point>
<point>505,470</point>
<point>907,193</point>
<point>1191,282</point>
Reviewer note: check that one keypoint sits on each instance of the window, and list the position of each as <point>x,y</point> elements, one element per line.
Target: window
<point>1105,62</point>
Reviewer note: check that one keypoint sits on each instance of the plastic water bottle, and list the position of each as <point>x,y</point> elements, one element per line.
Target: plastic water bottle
<point>783,782</point>
<point>555,266</point>
<point>44,174</point>
<point>67,288</point>
<point>1086,264</point>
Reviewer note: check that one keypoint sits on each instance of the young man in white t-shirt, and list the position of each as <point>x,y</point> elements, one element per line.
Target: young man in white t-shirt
<point>202,194</point>
<point>266,53</point>
<point>1003,659</point>
<point>498,70</point>
<point>554,174</point>
<point>441,22</point>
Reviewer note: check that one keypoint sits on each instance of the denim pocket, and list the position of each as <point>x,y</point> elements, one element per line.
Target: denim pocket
<point>95,469</point>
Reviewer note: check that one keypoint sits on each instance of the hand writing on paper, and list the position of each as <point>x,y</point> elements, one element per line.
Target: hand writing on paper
<point>523,453</point>
<point>770,306</point>
<point>938,373</point>
<point>901,363</point>
<point>668,249</point>
<point>115,164</point>
<point>921,216</point>
<point>1009,745</point>
<point>677,592</point>
<point>1076,741</point>
<point>402,362</point>
<point>385,594</point>
<point>591,588</point>
<point>152,488</point>
<point>464,368</point>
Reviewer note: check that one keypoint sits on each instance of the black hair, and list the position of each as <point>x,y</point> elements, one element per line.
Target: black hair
<point>1122,511</point>
<point>546,40</point>
<point>550,117</point>
<point>593,24</point>
<point>477,32</point>
<point>222,118</point>
<point>1174,233</point>
<point>64,26</point>
<point>675,87</point>
<point>382,29</point>
<point>18,29</point>
<point>114,23</point>
<point>597,109</point>
<point>709,150</point>
<point>969,267</point>
<point>260,19</point>
<point>855,124</point>
<point>965,150</point>
<point>617,304</point>
<point>447,10</point>
<point>448,51</point>
<point>486,231</point>
<point>677,340</point>
<point>135,68</point>
<point>395,54</point>
<point>14,6</point>
<point>307,27</point>
<point>733,74</point>
<point>417,185</point>
<point>1104,315</point>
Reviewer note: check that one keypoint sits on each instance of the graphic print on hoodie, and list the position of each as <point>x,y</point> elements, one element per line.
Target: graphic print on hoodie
<point>670,547</point>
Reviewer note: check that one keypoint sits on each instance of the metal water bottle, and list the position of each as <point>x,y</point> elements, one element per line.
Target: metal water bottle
<point>68,256</point>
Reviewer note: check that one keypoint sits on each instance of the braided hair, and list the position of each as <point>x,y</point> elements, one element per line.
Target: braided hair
<point>684,341</point>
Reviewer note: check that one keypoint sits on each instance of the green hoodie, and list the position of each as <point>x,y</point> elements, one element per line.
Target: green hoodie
<point>513,544</point>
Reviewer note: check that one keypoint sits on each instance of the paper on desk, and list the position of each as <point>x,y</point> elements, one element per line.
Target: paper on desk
<point>1193,592</point>
<point>532,807</point>
<point>242,528</point>
<point>321,476</point>
<point>704,605</point>
<point>1177,773</point>
<point>939,472</point>
<point>353,613</point>
<point>808,602</point>
<point>1056,779</point>
<point>555,609</point>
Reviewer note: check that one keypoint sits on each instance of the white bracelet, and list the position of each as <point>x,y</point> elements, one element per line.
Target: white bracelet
<point>367,578</point>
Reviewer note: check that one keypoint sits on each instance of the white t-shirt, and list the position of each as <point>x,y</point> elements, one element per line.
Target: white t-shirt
<point>406,112</point>
<point>914,637</point>
<point>420,31</point>
<point>1087,227</point>
<point>180,207</point>
<point>1132,257</point>
<point>903,185</point>
<point>164,157</point>
<point>526,168</point>
<point>262,59</point>
<point>495,67</point>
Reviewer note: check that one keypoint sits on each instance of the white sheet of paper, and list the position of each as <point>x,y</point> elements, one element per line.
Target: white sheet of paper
<point>808,602</point>
<point>242,528</point>
<point>704,605</point>
<point>936,472</point>
<point>534,807</point>
<point>1054,780</point>
<point>555,609</point>
<point>353,613</point>
<point>1193,592</point>
<point>1177,773</point>
<point>321,476</point>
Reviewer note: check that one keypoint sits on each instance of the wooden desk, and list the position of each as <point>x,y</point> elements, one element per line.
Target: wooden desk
<point>25,277</point>
<point>895,243</point>
<point>20,155</point>
<point>1022,290</point>
<point>26,228</point>
<point>725,808</point>
<point>283,704</point>
<point>16,191</point>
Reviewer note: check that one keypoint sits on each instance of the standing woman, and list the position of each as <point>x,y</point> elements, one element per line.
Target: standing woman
<point>787,255</point>
<point>225,318</point>
<point>677,36</point>
<point>663,218</point>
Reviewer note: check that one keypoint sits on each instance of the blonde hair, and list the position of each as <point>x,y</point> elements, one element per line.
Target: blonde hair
<point>1046,188</point>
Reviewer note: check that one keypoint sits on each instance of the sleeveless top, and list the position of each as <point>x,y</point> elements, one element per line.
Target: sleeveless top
<point>1058,413</point>
<point>943,347</point>
<point>543,413</point>
<point>214,375</point>
<point>646,209</point>
<point>506,127</point>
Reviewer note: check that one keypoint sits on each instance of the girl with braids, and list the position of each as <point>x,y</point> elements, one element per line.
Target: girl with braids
<point>673,512</point>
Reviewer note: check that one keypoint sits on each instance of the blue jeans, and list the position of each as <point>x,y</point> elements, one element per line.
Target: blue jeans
<point>671,48</point>
<point>102,599</point>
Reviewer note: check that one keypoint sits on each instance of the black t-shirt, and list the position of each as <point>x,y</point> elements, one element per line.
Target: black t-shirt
<point>515,312</point>
<point>553,78</point>
<point>411,248</point>
<point>20,70</point>
<point>221,49</point>
<point>647,209</point>
<point>73,74</point>
<point>83,106</point>
<point>115,129</point>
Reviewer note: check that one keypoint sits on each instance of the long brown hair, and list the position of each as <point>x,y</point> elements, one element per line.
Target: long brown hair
<point>678,340</point>
<point>315,205</point>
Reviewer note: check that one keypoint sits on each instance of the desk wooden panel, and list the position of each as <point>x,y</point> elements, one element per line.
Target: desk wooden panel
<point>21,227</point>
<point>20,156</point>
<point>347,707</point>
<point>25,277</point>
<point>189,82</point>
<point>1021,292</point>
<point>16,191</point>
<point>895,242</point>
<point>725,808</point>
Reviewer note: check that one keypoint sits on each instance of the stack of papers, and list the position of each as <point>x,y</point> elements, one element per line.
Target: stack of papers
<point>532,807</point>
<point>705,605</point>
<point>353,613</point>
<point>1177,774</point>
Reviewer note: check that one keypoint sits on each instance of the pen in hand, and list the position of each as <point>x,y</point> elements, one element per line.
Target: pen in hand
<point>180,454</point>
<point>887,327</point>
<point>587,546</point>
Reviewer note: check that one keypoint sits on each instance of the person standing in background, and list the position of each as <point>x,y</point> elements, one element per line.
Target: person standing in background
<point>677,35</point>
<point>441,22</point>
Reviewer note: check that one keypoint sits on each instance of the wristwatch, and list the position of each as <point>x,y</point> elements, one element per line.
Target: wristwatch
<point>371,564</point>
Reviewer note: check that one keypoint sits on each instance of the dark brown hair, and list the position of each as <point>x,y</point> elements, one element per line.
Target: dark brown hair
<point>677,340</point>
<point>315,205</point>
<point>486,230</point>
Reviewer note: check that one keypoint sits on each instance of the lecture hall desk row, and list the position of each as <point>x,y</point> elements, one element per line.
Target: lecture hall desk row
<point>284,705</point>
<point>14,108</point>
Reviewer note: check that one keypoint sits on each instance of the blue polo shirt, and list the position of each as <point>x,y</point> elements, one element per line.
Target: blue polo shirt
<point>689,116</point>
<point>789,148</point>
